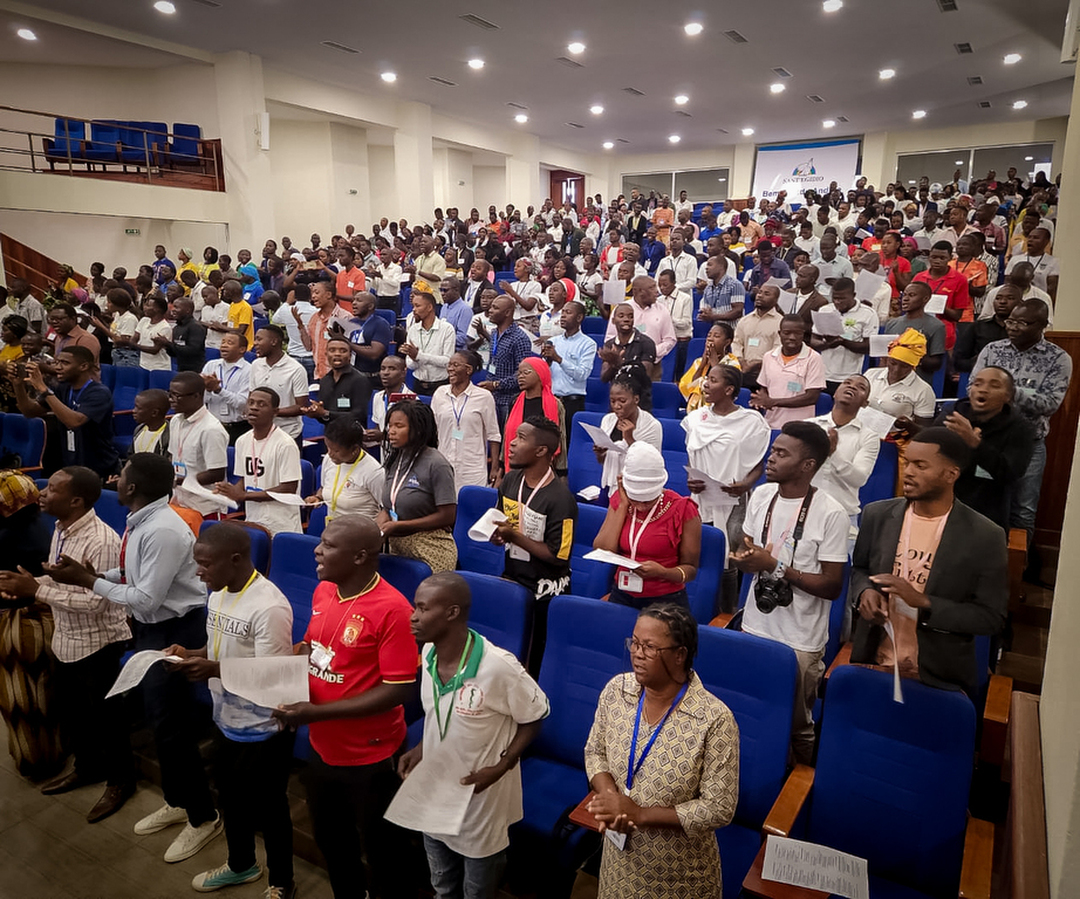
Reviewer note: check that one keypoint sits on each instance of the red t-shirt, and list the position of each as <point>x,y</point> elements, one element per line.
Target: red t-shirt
<point>955,286</point>
<point>348,283</point>
<point>660,541</point>
<point>891,267</point>
<point>372,644</point>
<point>871,244</point>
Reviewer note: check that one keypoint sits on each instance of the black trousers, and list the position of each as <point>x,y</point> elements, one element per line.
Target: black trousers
<point>174,715</point>
<point>573,405</point>
<point>95,729</point>
<point>252,781</point>
<point>347,804</point>
<point>428,388</point>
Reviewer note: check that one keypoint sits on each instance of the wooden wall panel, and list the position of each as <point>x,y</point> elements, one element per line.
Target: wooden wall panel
<point>1060,445</point>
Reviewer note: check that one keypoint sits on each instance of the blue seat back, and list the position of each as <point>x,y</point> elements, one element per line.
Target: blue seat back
<point>755,678</point>
<point>824,404</point>
<point>69,134</point>
<point>585,649</point>
<point>597,396</point>
<point>704,589</point>
<point>962,385</point>
<point>307,478</point>
<point>185,146</point>
<point>695,349</point>
<point>743,399</point>
<point>667,401</point>
<point>108,375</point>
<point>886,768</point>
<point>674,435</point>
<point>403,573</point>
<point>25,437</point>
<point>292,570</point>
<point>675,461</point>
<point>486,558</point>
<point>110,511</point>
<point>136,378</point>
<point>594,326</point>
<point>773,434</point>
<point>588,577</point>
<point>260,544</point>
<point>583,470</point>
<point>160,380</point>
<point>389,315</point>
<point>882,481</point>
<point>317,521</point>
<point>502,611</point>
<point>104,136</point>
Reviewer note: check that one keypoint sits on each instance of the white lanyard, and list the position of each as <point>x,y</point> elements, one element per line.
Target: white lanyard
<point>550,476</point>
<point>399,480</point>
<point>635,539</point>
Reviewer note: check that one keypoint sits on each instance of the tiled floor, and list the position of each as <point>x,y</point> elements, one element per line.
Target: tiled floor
<point>48,851</point>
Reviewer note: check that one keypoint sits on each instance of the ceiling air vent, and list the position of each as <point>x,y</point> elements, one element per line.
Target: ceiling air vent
<point>443,81</point>
<point>517,106</point>
<point>334,45</point>
<point>680,112</point>
<point>479,23</point>
<point>843,118</point>
<point>633,92</point>
<point>568,62</point>
<point>723,130</point>
<point>781,72</point>
<point>735,37</point>
<point>975,80</point>
<point>964,48</point>
<point>622,140</point>
<point>984,104</point>
<point>573,124</point>
<point>213,4</point>
<point>814,98</point>
<point>947,5</point>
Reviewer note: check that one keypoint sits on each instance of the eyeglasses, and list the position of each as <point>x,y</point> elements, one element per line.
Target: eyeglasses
<point>634,645</point>
<point>174,395</point>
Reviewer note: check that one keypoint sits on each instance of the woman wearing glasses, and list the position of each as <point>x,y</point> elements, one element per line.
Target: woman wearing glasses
<point>663,760</point>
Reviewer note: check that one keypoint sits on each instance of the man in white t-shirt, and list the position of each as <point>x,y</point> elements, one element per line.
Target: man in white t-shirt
<point>845,354</point>
<point>284,375</point>
<point>481,711</point>
<point>299,299</point>
<point>267,461</point>
<point>197,442</point>
<point>795,547</point>
<point>248,617</point>
<point>1047,268</point>
<point>214,312</point>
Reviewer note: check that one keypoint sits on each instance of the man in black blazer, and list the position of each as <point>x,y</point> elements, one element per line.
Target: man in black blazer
<point>934,568</point>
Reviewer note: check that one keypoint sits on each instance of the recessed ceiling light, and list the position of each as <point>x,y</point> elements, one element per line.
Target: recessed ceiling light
<point>959,162</point>
<point>829,123</point>
<point>596,109</point>
<point>521,118</point>
<point>777,87</point>
<point>1020,104</point>
<point>389,77</point>
<point>912,181</point>
<point>26,34</point>
<point>165,6</point>
<point>682,100</point>
<point>608,144</point>
<point>1028,158</point>
<point>832,5</point>
<point>1011,59</point>
<point>747,132</point>
<point>919,114</point>
<point>886,74</point>
<point>721,179</point>
<point>576,47</point>
<point>674,138</point>
<point>693,28</point>
<point>476,63</point>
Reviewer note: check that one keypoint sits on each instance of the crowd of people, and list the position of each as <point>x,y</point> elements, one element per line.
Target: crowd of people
<point>826,324</point>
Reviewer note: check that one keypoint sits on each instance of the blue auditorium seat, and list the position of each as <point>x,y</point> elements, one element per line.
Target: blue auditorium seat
<point>502,612</point>
<point>597,393</point>
<point>588,577</point>
<point>261,555</point>
<point>160,379</point>
<point>667,400</point>
<point>703,590</point>
<point>292,570</point>
<point>882,481</point>
<point>24,437</point>
<point>317,521</point>
<point>110,511</point>
<point>584,470</point>
<point>486,558</point>
<point>674,435</point>
<point>403,573</point>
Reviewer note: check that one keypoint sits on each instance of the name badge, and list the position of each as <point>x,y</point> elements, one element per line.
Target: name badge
<point>350,285</point>
<point>71,441</point>
<point>516,552</point>
<point>753,341</point>
<point>343,402</point>
<point>794,387</point>
<point>320,657</point>
<point>630,582</point>
<point>458,434</point>
<point>180,470</point>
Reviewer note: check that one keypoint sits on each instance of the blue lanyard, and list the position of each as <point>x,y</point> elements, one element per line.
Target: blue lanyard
<point>457,415</point>
<point>631,768</point>
<point>494,343</point>
<point>74,400</point>
<point>221,375</point>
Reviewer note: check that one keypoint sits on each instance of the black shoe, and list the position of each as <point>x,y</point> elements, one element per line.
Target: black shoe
<point>112,800</point>
<point>65,783</point>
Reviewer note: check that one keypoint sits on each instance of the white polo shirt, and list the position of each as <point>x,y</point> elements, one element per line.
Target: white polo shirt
<point>218,314</point>
<point>850,465</point>
<point>262,465</point>
<point>198,444</point>
<point>288,378</point>
<point>354,488</point>
<point>859,323</point>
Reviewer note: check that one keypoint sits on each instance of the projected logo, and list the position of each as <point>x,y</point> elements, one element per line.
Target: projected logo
<point>804,169</point>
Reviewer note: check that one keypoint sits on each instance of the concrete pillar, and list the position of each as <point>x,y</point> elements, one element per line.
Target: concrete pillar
<point>241,101</point>
<point>350,200</point>
<point>741,178</point>
<point>1067,233</point>
<point>877,166</point>
<point>523,173</point>
<point>413,162</point>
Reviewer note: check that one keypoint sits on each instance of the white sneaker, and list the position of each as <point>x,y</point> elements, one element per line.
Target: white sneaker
<point>192,839</point>
<point>164,817</point>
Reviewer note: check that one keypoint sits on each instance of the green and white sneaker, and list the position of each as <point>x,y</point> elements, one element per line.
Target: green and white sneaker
<point>217,878</point>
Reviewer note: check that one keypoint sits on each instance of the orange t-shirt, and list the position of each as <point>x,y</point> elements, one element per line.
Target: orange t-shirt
<point>348,283</point>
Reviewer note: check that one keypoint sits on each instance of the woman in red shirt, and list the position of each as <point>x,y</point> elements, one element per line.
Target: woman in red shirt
<point>896,267</point>
<point>655,527</point>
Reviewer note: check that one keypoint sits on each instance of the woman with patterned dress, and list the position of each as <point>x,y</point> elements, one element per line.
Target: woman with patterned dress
<point>663,758</point>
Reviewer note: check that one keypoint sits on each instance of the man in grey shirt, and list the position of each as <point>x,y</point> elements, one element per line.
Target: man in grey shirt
<point>913,301</point>
<point>158,584</point>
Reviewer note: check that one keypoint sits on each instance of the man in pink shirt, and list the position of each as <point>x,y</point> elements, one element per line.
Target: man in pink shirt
<point>792,377</point>
<point>649,317</point>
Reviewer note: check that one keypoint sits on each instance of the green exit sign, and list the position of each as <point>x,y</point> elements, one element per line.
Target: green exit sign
<point>131,230</point>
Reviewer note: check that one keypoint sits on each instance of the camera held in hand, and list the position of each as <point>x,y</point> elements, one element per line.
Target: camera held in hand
<point>771,593</point>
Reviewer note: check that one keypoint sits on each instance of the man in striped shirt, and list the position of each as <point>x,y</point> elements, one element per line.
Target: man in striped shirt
<point>88,641</point>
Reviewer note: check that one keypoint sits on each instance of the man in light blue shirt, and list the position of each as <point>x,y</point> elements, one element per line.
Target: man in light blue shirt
<point>455,310</point>
<point>571,356</point>
<point>158,584</point>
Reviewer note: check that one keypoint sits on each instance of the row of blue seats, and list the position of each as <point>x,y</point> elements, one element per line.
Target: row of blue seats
<point>127,143</point>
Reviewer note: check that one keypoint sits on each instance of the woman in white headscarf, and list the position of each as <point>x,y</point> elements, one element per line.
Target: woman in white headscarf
<point>654,526</point>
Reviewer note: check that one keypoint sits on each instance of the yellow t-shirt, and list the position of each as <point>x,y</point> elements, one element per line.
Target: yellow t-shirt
<point>690,383</point>
<point>240,313</point>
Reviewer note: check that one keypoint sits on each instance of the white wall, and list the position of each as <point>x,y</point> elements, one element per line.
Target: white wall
<point>351,177</point>
<point>382,188</point>
<point>302,170</point>
<point>490,186</point>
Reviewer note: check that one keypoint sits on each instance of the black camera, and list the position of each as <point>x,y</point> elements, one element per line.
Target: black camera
<point>771,593</point>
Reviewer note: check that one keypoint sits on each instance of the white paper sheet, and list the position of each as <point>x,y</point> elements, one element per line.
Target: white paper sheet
<point>192,488</point>
<point>778,283</point>
<point>601,438</point>
<point>936,304</point>
<point>897,693</point>
<point>431,799</point>
<point>828,323</point>
<point>268,681</point>
<point>614,293</point>
<point>134,671</point>
<point>923,243</point>
<point>288,499</point>
<point>603,555</point>
<point>862,234</point>
<point>867,285</point>
<point>826,271</point>
<point>815,867</point>
<point>712,495</point>
<point>787,302</point>
<point>589,493</point>
<point>878,422</point>
<point>485,526</point>
<point>879,344</point>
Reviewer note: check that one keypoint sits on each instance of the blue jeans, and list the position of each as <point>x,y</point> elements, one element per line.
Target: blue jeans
<point>454,876</point>
<point>309,366</point>
<point>1025,492</point>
